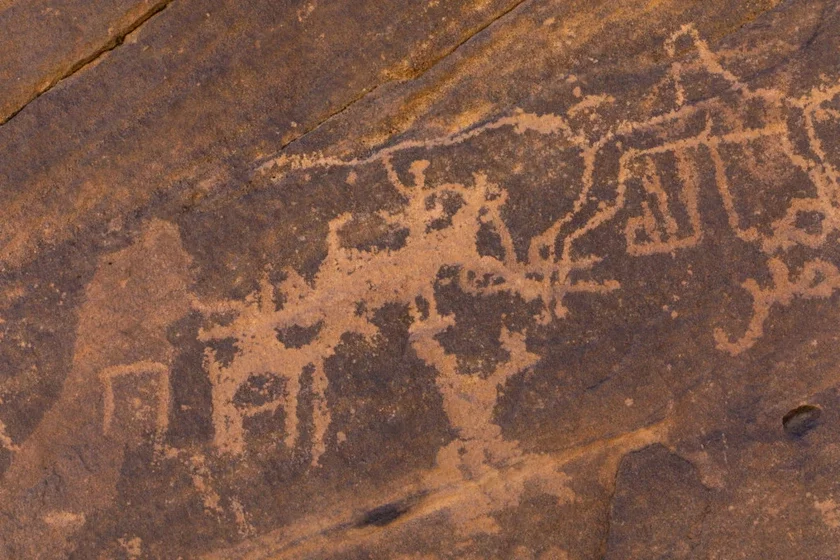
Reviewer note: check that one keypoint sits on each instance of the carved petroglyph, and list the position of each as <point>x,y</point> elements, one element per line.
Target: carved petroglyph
<point>351,284</point>
<point>262,353</point>
<point>817,279</point>
<point>480,449</point>
<point>663,237</point>
<point>136,369</point>
<point>664,163</point>
<point>132,299</point>
<point>652,225</point>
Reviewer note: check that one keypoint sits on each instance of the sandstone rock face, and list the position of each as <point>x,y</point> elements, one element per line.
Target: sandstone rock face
<point>541,279</point>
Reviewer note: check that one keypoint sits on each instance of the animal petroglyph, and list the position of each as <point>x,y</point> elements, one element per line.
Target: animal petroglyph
<point>666,216</point>
<point>351,284</point>
<point>656,191</point>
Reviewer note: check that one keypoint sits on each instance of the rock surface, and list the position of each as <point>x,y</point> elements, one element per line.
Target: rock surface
<point>540,279</point>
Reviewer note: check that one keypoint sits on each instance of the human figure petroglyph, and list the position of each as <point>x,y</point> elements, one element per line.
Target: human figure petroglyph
<point>652,227</point>
<point>351,284</point>
<point>479,449</point>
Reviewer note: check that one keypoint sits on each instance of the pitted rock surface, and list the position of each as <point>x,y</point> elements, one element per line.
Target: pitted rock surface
<point>540,279</point>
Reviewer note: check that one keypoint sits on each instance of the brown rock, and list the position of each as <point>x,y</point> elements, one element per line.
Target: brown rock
<point>538,280</point>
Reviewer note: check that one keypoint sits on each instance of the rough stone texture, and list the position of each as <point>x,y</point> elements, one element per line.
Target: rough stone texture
<point>45,41</point>
<point>547,279</point>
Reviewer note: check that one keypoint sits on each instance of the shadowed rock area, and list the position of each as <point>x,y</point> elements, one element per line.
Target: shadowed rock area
<point>532,280</point>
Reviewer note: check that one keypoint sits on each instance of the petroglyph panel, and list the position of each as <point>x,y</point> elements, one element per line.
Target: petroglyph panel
<point>506,327</point>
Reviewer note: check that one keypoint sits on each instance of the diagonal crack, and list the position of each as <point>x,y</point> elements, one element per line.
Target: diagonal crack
<point>412,76</point>
<point>603,545</point>
<point>79,65</point>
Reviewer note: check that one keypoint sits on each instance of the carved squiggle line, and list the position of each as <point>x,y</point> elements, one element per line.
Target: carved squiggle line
<point>521,122</point>
<point>549,123</point>
<point>818,279</point>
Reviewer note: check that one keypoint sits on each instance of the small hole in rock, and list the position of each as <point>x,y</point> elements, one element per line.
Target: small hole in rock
<point>801,420</point>
<point>383,515</point>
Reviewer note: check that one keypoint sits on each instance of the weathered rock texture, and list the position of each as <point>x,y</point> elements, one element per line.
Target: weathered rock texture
<point>540,279</point>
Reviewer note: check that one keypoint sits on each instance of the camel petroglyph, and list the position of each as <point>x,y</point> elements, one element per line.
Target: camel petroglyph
<point>652,227</point>
<point>352,283</point>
